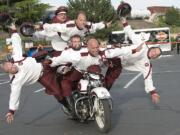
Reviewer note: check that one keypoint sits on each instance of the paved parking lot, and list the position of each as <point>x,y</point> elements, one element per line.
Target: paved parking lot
<point>133,112</point>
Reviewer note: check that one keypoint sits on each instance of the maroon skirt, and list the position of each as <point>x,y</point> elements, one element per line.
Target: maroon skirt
<point>51,81</point>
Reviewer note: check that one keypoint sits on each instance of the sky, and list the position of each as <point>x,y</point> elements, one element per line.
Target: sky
<point>135,4</point>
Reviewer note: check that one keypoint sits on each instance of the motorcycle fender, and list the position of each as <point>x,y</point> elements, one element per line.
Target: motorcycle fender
<point>101,92</point>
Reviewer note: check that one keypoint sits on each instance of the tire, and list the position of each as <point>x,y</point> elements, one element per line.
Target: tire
<point>103,115</point>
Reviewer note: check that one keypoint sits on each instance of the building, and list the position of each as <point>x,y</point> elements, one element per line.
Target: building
<point>158,9</point>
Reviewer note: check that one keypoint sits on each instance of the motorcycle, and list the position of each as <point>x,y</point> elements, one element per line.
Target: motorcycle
<point>92,101</point>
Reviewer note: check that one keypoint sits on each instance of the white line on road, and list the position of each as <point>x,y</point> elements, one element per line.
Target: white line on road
<point>3,74</point>
<point>36,91</point>
<point>129,83</point>
<point>132,80</point>
<point>4,82</point>
<point>164,56</point>
<point>137,76</point>
<point>168,71</point>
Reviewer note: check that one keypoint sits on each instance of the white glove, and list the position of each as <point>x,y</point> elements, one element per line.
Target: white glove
<point>63,69</point>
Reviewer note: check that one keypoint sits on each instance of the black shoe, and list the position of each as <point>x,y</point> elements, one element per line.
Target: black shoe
<point>66,107</point>
<point>66,110</point>
<point>70,102</point>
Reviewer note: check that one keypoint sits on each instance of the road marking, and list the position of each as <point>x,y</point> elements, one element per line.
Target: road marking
<point>137,76</point>
<point>168,71</point>
<point>129,83</point>
<point>39,90</point>
<point>132,80</point>
<point>3,74</point>
<point>4,82</point>
<point>164,56</point>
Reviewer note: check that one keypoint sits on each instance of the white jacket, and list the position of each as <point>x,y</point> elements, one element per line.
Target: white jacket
<point>57,42</point>
<point>139,61</point>
<point>28,73</point>
<point>82,59</point>
<point>69,29</point>
<point>59,34</point>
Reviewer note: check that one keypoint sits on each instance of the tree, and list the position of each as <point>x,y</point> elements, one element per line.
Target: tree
<point>24,10</point>
<point>29,10</point>
<point>5,5</point>
<point>96,11</point>
<point>172,17</point>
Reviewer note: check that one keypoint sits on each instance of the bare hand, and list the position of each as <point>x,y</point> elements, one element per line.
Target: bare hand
<point>37,26</point>
<point>123,20</point>
<point>155,98</point>
<point>9,117</point>
<point>108,24</point>
<point>138,49</point>
<point>10,48</point>
<point>40,46</point>
<point>103,46</point>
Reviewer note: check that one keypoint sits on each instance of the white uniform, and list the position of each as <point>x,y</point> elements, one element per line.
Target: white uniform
<point>28,73</point>
<point>59,34</point>
<point>139,61</point>
<point>82,59</point>
<point>15,41</point>
<point>56,41</point>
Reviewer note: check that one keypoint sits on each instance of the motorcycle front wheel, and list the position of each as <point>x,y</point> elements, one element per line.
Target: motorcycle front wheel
<point>103,115</point>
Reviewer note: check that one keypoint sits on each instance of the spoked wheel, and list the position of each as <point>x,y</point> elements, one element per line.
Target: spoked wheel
<point>103,115</point>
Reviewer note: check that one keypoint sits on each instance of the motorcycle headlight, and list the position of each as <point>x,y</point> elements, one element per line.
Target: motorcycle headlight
<point>95,83</point>
<point>82,86</point>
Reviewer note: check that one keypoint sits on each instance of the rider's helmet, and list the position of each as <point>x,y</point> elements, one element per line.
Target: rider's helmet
<point>124,9</point>
<point>27,29</point>
<point>61,9</point>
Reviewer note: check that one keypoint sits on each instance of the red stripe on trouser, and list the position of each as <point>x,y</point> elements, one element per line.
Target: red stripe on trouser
<point>113,72</point>
<point>150,68</point>
<point>70,81</point>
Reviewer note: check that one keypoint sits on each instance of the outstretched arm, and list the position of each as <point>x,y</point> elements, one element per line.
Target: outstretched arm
<point>13,102</point>
<point>65,57</point>
<point>136,39</point>
<point>55,27</point>
<point>98,26</point>
<point>149,87</point>
<point>144,66</point>
<point>122,51</point>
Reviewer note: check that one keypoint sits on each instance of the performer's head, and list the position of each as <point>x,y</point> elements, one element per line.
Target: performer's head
<point>9,67</point>
<point>81,20</point>
<point>154,52</point>
<point>93,46</point>
<point>76,42</point>
<point>61,14</point>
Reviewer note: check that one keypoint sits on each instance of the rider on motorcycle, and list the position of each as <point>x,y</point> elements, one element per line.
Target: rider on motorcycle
<point>82,59</point>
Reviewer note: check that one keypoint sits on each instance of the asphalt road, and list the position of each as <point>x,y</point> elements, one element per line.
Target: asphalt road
<point>133,112</point>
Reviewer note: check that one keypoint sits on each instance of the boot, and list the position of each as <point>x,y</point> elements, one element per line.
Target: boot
<point>66,107</point>
<point>70,102</point>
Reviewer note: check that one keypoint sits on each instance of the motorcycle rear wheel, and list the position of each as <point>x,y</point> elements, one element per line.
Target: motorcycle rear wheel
<point>103,115</point>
